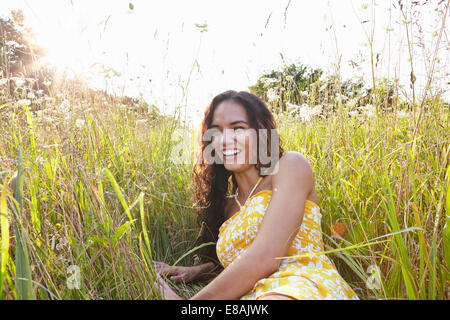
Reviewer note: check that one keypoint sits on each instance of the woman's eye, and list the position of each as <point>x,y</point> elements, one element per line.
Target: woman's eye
<point>238,128</point>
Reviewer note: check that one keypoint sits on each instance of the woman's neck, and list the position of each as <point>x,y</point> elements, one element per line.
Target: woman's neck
<point>246,180</point>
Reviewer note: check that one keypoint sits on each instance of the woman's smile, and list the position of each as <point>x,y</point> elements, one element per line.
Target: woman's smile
<point>231,153</point>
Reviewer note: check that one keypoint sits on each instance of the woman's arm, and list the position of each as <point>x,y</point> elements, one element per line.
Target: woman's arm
<point>183,274</point>
<point>291,185</point>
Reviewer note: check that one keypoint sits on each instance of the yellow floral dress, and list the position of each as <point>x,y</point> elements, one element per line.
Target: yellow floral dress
<point>313,277</point>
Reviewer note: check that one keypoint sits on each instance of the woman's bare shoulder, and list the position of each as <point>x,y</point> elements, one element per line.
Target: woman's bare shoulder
<point>293,160</point>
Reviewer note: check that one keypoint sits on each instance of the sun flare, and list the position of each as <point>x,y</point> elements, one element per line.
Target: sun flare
<point>66,50</point>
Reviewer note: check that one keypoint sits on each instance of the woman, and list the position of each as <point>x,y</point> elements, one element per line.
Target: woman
<point>268,216</point>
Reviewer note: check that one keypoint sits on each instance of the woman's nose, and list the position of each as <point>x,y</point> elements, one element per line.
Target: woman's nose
<point>228,137</point>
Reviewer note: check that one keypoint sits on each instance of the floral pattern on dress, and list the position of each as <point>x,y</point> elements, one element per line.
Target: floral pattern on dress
<point>312,277</point>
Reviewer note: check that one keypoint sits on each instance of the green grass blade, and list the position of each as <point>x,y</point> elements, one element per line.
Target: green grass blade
<point>23,270</point>
<point>4,227</point>
<point>119,193</point>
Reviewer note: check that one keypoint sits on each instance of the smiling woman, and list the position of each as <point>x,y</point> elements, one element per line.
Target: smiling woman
<point>273,215</point>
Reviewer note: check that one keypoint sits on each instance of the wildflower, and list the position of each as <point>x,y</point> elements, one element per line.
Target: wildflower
<point>304,93</point>
<point>3,81</point>
<point>79,123</point>
<point>268,81</point>
<point>290,78</point>
<point>12,43</point>
<point>47,83</point>
<point>292,106</point>
<point>18,81</point>
<point>64,105</point>
<point>272,95</point>
<point>306,113</point>
<point>370,109</point>
<point>24,102</point>
<point>48,119</point>
<point>317,109</point>
<point>352,103</point>
<point>141,121</point>
<point>402,114</point>
<point>31,95</point>
<point>353,113</point>
<point>341,97</point>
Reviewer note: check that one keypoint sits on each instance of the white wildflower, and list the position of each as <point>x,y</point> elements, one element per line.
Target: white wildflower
<point>48,119</point>
<point>79,123</point>
<point>268,81</point>
<point>3,81</point>
<point>353,113</point>
<point>317,110</point>
<point>402,114</point>
<point>272,95</point>
<point>306,113</point>
<point>304,93</point>
<point>369,110</point>
<point>323,86</point>
<point>64,105</point>
<point>12,43</point>
<point>290,78</point>
<point>18,81</point>
<point>24,102</point>
<point>352,103</point>
<point>341,97</point>
<point>31,95</point>
<point>141,121</point>
<point>47,83</point>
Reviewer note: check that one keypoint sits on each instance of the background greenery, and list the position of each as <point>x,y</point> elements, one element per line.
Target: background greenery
<point>88,181</point>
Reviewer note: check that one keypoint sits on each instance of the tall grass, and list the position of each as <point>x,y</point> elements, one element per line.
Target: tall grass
<point>93,190</point>
<point>104,196</point>
<point>368,177</point>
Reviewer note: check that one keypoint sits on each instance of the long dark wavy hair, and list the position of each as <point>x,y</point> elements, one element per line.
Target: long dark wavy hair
<point>212,182</point>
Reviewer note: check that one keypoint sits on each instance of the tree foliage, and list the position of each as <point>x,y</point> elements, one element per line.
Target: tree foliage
<point>19,51</point>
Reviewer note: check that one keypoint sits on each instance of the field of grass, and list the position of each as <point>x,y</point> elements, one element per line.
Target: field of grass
<point>90,197</point>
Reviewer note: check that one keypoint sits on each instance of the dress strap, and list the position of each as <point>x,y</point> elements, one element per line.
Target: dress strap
<point>251,192</point>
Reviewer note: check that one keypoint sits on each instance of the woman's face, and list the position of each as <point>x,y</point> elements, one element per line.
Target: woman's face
<point>235,141</point>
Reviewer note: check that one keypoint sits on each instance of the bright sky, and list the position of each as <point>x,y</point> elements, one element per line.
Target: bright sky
<point>158,41</point>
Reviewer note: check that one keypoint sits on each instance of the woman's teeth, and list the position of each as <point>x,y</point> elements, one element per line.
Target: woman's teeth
<point>231,152</point>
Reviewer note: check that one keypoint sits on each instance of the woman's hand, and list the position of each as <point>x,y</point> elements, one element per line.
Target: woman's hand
<point>177,273</point>
<point>169,294</point>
